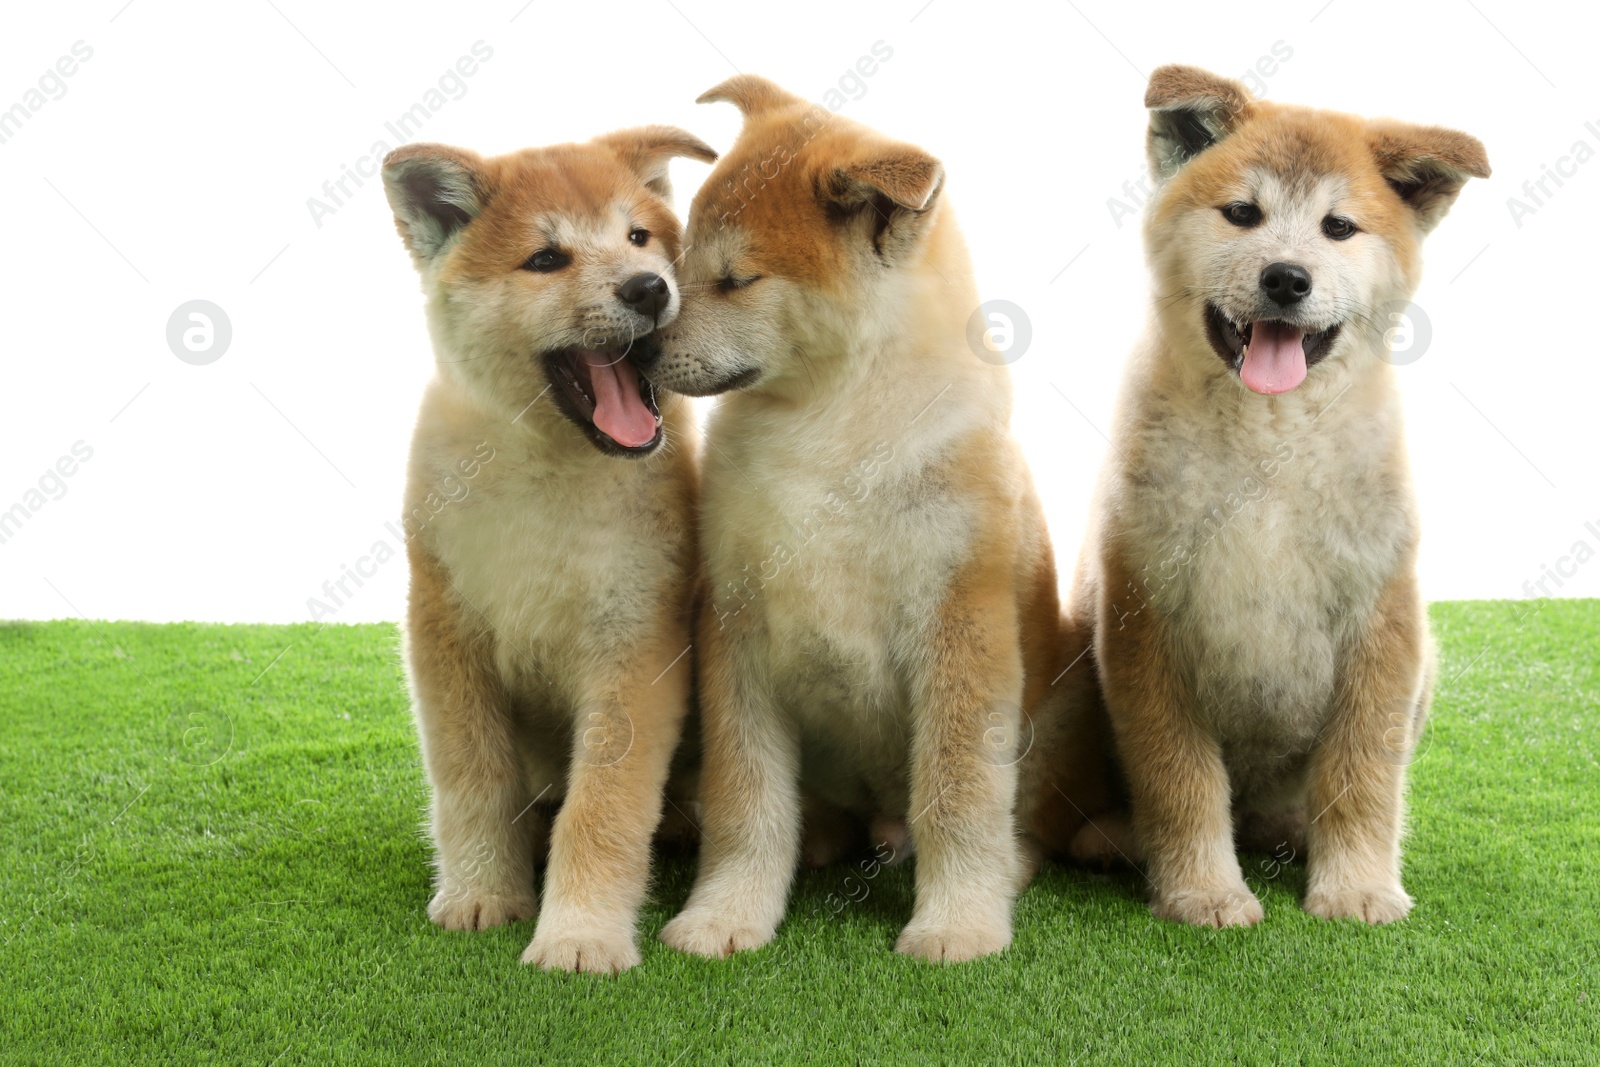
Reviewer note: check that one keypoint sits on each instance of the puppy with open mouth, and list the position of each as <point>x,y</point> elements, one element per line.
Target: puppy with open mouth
<point>550,604</point>
<point>881,615</point>
<point>1249,586</point>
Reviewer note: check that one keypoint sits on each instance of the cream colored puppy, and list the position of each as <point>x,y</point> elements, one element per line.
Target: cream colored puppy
<point>882,606</point>
<point>550,602</point>
<point>1250,578</point>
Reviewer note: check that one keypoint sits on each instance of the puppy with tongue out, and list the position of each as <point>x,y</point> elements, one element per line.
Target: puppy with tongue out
<point>550,535</point>
<point>1271,356</point>
<point>1261,664</point>
<point>1274,361</point>
<point>624,403</point>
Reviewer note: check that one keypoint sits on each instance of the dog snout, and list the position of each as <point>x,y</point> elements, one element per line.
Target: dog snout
<point>645,293</point>
<point>1286,283</point>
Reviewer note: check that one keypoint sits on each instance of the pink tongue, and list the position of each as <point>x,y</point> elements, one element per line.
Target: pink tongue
<point>618,410</point>
<point>1274,361</point>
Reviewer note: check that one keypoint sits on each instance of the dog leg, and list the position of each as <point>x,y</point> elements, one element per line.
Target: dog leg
<point>750,798</point>
<point>1182,810</point>
<point>600,845</point>
<point>1358,768</point>
<point>968,709</point>
<point>1182,817</point>
<point>484,856</point>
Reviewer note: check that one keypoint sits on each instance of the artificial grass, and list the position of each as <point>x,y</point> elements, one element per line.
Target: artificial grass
<point>212,854</point>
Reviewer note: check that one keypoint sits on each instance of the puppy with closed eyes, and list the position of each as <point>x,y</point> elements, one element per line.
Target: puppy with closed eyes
<point>881,615</point>
<point>550,603</point>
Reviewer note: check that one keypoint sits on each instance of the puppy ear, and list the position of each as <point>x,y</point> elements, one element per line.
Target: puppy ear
<point>1190,110</point>
<point>894,187</point>
<point>646,150</point>
<point>751,94</point>
<point>1426,165</point>
<point>435,191</point>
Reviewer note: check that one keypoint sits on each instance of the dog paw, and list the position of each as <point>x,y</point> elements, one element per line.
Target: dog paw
<point>890,838</point>
<point>457,908</point>
<point>823,846</point>
<point>707,935</point>
<point>1106,842</point>
<point>1372,904</point>
<point>952,944</point>
<point>1217,908</point>
<point>588,951</point>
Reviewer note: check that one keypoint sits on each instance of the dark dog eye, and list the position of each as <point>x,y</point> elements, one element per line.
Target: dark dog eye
<point>1241,214</point>
<point>730,283</point>
<point>1337,228</point>
<point>639,237</point>
<point>546,260</point>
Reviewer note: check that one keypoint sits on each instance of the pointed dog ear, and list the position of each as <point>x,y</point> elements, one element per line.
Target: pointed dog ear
<point>895,185</point>
<point>646,150</point>
<point>1426,165</point>
<point>435,190</point>
<point>1190,110</point>
<point>751,94</point>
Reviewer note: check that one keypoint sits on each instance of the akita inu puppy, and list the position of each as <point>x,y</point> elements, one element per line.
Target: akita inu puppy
<point>882,604</point>
<point>1249,579</point>
<point>550,604</point>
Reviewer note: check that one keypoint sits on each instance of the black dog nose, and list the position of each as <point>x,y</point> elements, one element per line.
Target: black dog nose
<point>1286,283</point>
<point>645,293</point>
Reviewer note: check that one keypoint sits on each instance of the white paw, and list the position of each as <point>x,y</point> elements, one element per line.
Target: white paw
<point>460,908</point>
<point>587,950</point>
<point>1373,904</point>
<point>1216,907</point>
<point>939,943</point>
<point>699,931</point>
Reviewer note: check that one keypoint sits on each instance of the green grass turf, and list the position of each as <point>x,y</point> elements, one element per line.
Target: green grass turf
<point>211,853</point>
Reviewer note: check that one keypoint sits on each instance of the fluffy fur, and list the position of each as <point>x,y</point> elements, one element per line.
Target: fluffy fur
<point>882,598</point>
<point>550,600</point>
<point>1248,588</point>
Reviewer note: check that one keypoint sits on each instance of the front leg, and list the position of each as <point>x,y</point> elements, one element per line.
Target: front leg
<point>750,801</point>
<point>483,852</point>
<point>1358,767</point>
<point>599,867</point>
<point>965,744</point>
<point>1178,783</point>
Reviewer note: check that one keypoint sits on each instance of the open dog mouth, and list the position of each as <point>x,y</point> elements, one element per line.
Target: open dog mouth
<point>602,391</point>
<point>1269,355</point>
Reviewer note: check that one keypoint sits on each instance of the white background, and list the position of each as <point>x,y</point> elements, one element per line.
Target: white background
<point>178,163</point>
